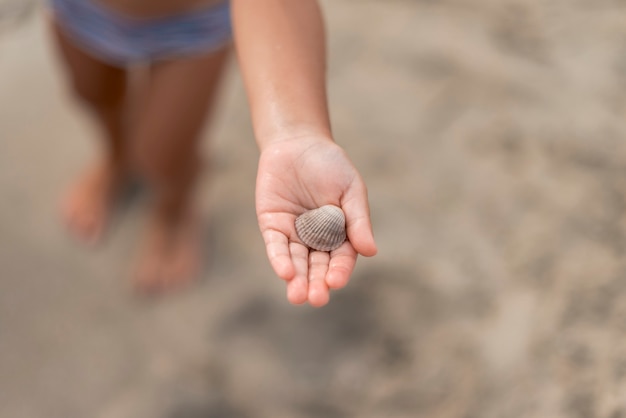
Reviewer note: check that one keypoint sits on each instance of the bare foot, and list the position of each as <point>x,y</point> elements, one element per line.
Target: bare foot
<point>170,255</point>
<point>88,205</point>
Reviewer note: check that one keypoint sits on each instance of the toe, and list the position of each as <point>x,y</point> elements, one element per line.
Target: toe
<point>180,270</point>
<point>148,273</point>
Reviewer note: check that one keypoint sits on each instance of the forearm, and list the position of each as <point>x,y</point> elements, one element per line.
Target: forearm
<point>282,54</point>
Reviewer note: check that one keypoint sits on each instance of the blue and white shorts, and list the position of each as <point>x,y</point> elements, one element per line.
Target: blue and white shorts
<point>121,40</point>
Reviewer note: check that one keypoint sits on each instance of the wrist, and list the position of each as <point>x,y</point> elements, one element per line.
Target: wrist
<point>300,132</point>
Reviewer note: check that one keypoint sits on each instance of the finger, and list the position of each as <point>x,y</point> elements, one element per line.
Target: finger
<point>342,262</point>
<point>297,288</point>
<point>358,222</point>
<point>277,247</point>
<point>318,267</point>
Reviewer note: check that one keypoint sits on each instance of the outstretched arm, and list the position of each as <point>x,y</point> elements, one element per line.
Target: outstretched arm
<point>281,49</point>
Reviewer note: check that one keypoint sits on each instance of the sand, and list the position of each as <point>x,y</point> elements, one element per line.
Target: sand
<point>491,136</point>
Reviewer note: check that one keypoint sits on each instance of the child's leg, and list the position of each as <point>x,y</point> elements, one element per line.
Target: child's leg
<point>165,143</point>
<point>102,89</point>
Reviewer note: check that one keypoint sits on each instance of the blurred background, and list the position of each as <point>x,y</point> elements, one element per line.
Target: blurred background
<point>491,136</point>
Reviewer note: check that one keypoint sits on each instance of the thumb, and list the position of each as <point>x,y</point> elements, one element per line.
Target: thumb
<point>358,222</point>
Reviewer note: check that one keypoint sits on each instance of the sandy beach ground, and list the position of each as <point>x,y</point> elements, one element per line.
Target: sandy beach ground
<point>491,135</point>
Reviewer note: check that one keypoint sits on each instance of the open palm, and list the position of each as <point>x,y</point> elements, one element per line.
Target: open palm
<point>301,174</point>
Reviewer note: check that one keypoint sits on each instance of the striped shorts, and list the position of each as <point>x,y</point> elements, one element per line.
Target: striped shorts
<point>122,40</point>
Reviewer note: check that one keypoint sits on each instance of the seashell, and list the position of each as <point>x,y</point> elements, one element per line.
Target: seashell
<point>322,229</point>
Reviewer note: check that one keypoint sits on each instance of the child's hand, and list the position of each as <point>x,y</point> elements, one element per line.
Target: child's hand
<point>300,174</point>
